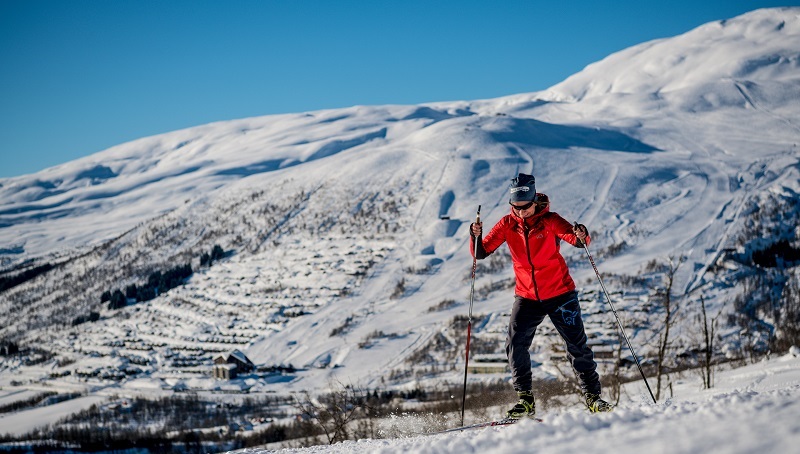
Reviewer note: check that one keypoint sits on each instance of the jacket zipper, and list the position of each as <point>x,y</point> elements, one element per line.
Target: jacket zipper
<point>525,231</point>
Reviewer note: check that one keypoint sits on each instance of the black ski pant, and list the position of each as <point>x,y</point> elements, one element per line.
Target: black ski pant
<point>565,313</point>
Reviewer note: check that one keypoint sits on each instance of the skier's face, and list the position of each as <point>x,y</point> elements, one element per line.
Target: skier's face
<point>524,209</point>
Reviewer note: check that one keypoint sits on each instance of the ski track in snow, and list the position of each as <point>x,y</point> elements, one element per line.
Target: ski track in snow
<point>599,196</point>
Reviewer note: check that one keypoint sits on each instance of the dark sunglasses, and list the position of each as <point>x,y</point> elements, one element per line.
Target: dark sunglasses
<point>522,207</point>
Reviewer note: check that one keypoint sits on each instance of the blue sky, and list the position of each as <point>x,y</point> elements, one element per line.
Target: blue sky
<point>80,76</point>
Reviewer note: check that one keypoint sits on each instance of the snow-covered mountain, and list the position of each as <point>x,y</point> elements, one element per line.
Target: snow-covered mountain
<point>752,47</point>
<point>345,230</point>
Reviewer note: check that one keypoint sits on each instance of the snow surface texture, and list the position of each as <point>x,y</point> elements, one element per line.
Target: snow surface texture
<point>751,409</point>
<point>325,212</point>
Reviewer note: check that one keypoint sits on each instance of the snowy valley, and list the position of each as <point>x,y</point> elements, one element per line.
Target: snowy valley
<point>332,246</point>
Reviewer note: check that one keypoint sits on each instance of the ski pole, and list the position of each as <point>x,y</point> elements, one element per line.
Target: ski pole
<point>619,323</point>
<point>469,320</point>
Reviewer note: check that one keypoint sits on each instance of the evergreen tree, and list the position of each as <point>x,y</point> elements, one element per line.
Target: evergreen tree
<point>217,253</point>
<point>118,300</point>
<point>131,292</point>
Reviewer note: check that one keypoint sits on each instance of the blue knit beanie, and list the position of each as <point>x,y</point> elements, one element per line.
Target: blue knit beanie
<point>522,189</point>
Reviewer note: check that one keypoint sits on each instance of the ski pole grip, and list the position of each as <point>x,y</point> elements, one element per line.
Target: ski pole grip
<point>580,242</point>
<point>478,216</point>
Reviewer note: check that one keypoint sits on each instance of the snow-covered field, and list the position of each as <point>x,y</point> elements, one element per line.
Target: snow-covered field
<point>751,409</point>
<point>23,422</point>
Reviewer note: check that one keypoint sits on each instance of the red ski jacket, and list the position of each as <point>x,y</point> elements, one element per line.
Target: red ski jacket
<point>541,272</point>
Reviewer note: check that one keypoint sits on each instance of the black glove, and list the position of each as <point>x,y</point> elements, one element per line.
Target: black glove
<point>580,231</point>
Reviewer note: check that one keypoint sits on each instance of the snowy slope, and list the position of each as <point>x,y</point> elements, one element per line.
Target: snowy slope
<point>752,409</point>
<point>346,229</point>
<point>750,47</point>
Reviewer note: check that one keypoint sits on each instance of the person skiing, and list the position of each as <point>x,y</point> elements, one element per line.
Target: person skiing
<point>544,287</point>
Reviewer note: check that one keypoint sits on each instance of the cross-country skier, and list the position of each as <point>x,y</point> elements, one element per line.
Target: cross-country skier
<point>544,287</point>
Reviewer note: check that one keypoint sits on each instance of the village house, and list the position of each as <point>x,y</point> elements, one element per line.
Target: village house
<point>229,366</point>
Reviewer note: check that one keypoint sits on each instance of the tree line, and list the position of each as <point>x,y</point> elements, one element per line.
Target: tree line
<point>167,424</point>
<point>7,282</point>
<point>158,282</point>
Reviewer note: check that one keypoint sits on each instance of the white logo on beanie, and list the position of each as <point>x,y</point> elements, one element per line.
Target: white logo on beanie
<point>520,189</point>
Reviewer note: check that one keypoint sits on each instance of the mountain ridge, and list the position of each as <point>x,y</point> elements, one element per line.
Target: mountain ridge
<point>744,47</point>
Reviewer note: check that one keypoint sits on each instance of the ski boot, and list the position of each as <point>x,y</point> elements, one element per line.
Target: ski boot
<point>596,404</point>
<point>526,406</point>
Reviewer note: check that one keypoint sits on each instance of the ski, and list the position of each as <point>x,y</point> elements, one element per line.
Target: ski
<point>480,425</point>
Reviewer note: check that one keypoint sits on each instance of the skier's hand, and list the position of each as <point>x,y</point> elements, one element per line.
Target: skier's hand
<point>476,228</point>
<point>580,231</point>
